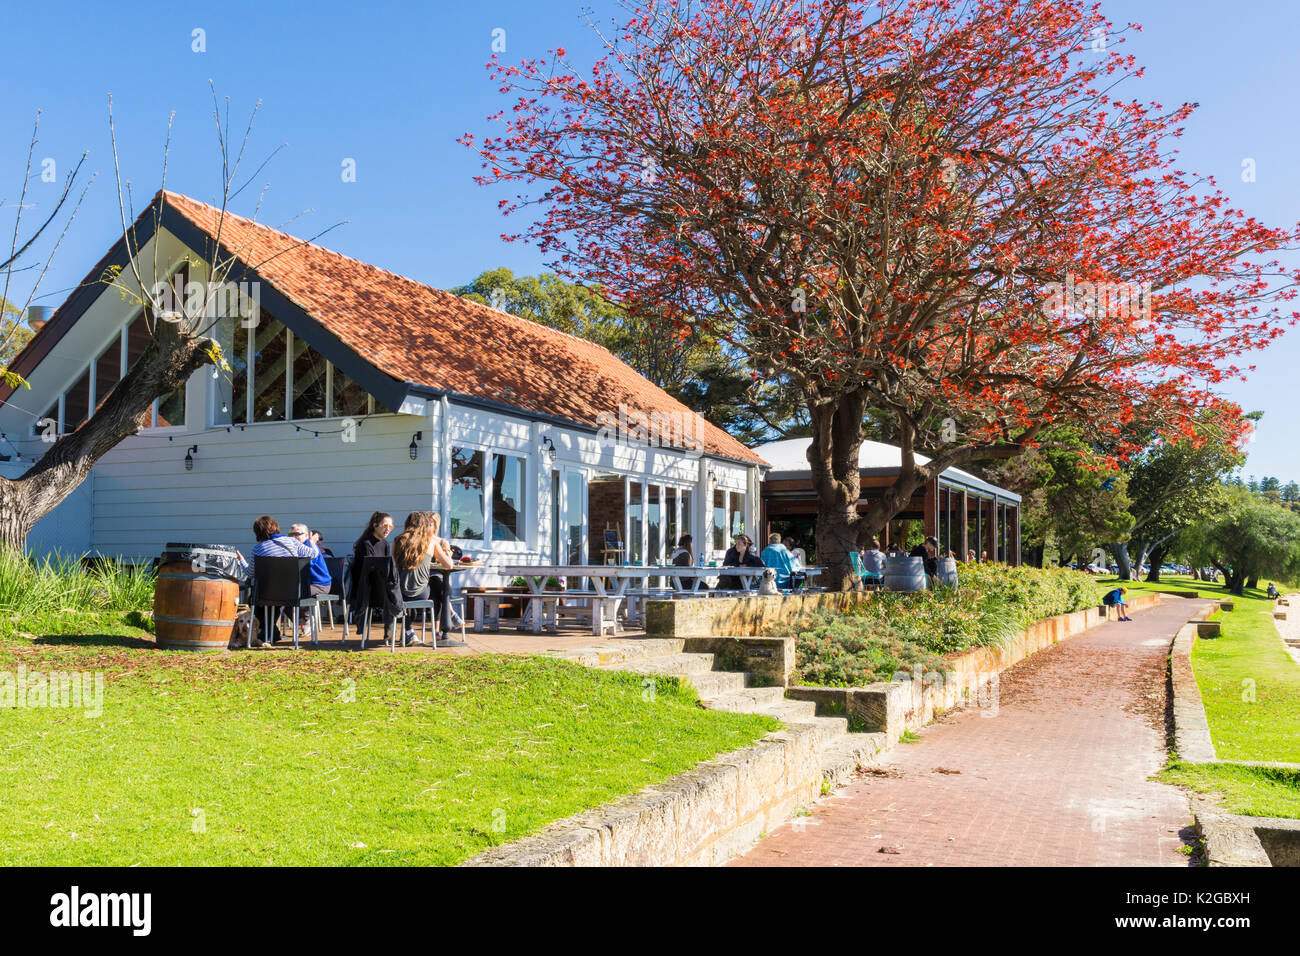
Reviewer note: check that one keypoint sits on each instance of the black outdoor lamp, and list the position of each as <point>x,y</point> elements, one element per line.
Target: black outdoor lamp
<point>415,449</point>
<point>189,457</point>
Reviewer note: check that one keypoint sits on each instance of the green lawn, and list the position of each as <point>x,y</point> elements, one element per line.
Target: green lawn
<point>322,757</point>
<point>1249,685</point>
<point>1252,791</point>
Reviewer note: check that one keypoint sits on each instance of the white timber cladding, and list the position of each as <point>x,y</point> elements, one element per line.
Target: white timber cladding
<point>141,496</point>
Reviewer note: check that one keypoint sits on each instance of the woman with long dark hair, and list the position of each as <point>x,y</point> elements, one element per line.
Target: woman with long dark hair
<point>417,549</point>
<point>374,543</point>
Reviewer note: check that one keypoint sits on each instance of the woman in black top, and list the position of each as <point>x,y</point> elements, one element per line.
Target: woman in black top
<point>374,543</point>
<point>929,552</point>
<point>739,555</point>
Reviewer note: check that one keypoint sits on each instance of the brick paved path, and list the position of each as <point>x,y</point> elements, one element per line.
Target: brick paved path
<point>1058,777</point>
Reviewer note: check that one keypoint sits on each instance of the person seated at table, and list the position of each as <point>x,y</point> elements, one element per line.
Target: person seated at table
<point>318,539</point>
<point>682,556</point>
<point>873,559</point>
<point>929,551</point>
<point>777,557</point>
<point>970,557</point>
<point>374,543</point>
<point>739,555</point>
<point>799,555</point>
<point>319,573</point>
<point>272,543</point>
<point>417,550</point>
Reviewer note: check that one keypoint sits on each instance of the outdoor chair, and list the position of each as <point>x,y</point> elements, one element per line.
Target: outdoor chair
<point>378,591</point>
<point>338,591</point>
<point>870,579</point>
<point>283,583</point>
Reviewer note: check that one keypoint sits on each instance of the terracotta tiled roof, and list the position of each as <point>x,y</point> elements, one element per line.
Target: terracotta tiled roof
<point>430,337</point>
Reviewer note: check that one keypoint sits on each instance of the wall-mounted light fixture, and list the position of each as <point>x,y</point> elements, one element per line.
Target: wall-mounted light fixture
<point>548,449</point>
<point>414,447</point>
<point>189,457</point>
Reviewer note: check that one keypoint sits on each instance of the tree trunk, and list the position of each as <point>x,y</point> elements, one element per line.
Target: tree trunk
<point>1253,582</point>
<point>1157,559</point>
<point>833,457</point>
<point>1035,555</point>
<point>1121,559</point>
<point>166,364</point>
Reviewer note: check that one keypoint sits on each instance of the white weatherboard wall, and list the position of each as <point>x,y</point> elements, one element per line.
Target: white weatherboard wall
<point>143,497</point>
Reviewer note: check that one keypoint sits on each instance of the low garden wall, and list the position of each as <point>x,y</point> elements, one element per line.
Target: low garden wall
<point>700,818</point>
<point>747,616</point>
<point>908,704</point>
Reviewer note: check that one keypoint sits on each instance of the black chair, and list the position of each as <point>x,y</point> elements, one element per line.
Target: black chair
<point>338,591</point>
<point>377,589</point>
<point>282,583</point>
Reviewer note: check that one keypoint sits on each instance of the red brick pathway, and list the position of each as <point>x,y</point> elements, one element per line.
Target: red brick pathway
<point>1056,777</point>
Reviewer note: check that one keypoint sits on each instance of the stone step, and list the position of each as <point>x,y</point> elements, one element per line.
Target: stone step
<point>745,701</point>
<point>716,682</point>
<point>844,755</point>
<point>792,711</point>
<point>676,665</point>
<point>620,652</point>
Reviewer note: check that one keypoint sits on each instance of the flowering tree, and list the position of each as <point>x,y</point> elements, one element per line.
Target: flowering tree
<point>940,212</point>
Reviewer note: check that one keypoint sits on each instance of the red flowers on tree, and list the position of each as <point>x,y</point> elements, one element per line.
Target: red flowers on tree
<point>933,210</point>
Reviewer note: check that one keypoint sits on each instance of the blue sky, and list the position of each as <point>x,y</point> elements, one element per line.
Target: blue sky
<point>392,85</point>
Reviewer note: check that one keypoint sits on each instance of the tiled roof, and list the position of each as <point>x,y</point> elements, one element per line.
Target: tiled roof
<point>430,337</point>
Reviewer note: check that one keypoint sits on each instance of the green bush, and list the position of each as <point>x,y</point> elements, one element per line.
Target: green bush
<point>895,631</point>
<point>30,587</point>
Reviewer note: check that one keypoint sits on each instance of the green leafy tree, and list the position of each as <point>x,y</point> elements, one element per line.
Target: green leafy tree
<point>1246,540</point>
<point>1172,485</point>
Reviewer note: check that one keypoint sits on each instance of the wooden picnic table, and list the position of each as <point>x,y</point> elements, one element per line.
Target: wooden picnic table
<point>611,582</point>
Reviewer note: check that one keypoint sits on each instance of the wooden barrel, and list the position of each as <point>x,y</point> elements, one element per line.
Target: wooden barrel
<point>947,575</point>
<point>193,610</point>
<point>905,574</point>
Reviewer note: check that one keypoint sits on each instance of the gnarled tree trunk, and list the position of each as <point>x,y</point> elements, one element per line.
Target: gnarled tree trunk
<point>167,364</point>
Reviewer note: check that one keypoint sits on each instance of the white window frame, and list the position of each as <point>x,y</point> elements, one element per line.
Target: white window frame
<point>527,512</point>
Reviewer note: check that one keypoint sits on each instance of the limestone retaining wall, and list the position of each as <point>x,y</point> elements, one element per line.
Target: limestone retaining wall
<point>908,704</point>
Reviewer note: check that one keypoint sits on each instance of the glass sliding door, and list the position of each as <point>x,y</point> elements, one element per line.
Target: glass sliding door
<point>635,522</point>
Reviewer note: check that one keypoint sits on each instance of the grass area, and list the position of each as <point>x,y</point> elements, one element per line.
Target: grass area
<point>323,757</point>
<point>1250,791</point>
<point>1249,685</point>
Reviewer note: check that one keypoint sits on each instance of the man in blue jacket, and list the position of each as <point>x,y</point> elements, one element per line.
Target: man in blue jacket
<point>778,557</point>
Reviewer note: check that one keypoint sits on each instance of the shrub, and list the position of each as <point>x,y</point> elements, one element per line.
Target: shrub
<point>31,587</point>
<point>896,631</point>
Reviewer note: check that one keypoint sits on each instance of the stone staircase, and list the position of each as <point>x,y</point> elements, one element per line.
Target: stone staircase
<point>842,752</point>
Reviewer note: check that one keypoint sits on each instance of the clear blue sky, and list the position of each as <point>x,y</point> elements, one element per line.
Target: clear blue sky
<point>392,85</point>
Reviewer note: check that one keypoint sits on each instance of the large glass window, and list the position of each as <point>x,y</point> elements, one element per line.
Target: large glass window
<point>573,516</point>
<point>76,404</point>
<point>507,498</point>
<point>171,408</point>
<point>719,520</point>
<point>654,525</point>
<point>108,370</point>
<point>465,509</point>
<point>735,514</point>
<point>269,357</point>
<point>237,408</point>
<point>309,379</point>
<point>350,399</point>
<point>634,511</point>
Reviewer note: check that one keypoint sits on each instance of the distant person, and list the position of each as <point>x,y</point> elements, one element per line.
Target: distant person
<point>1115,599</point>
<point>417,550</point>
<point>970,557</point>
<point>374,543</point>
<point>777,557</point>
<point>895,551</point>
<point>741,554</point>
<point>800,558</point>
<point>682,556</point>
<point>873,559</point>
<point>928,551</point>
<point>1272,590</point>
<point>274,544</point>
<point>318,539</point>
<point>319,575</point>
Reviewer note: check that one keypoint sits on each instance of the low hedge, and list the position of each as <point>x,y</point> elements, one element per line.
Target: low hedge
<point>896,631</point>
